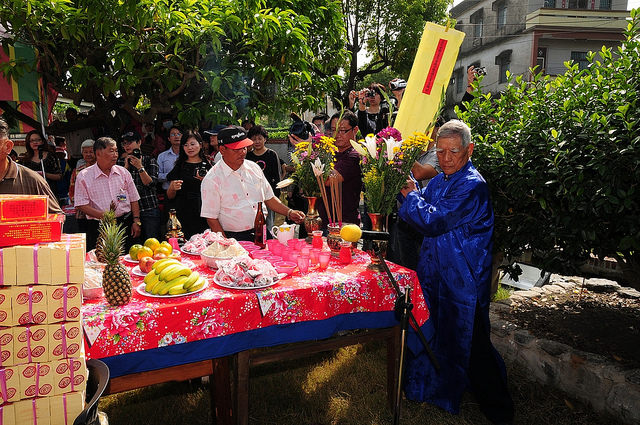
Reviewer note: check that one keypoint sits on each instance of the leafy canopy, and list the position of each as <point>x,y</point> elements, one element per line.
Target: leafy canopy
<point>215,60</point>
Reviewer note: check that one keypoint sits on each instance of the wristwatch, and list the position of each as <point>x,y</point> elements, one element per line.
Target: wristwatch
<point>141,170</point>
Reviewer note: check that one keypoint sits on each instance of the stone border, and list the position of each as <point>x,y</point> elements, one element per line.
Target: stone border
<point>588,377</point>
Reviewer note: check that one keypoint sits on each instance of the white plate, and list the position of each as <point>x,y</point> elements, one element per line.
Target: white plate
<point>184,251</point>
<point>136,271</point>
<point>215,279</point>
<point>128,259</point>
<point>141,291</point>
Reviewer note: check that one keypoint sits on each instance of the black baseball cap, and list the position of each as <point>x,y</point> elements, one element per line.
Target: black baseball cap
<point>234,137</point>
<point>131,136</point>
<point>215,130</point>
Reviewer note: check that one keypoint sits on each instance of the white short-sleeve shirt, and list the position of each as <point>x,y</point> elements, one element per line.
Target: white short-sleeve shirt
<point>232,196</point>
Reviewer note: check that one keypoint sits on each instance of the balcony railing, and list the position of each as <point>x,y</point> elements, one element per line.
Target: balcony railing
<point>578,19</point>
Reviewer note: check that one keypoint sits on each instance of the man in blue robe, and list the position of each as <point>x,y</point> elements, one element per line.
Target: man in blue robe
<point>455,216</point>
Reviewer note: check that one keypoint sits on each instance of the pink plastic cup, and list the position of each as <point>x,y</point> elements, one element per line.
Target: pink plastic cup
<point>272,258</point>
<point>303,263</point>
<point>277,248</point>
<point>260,253</point>
<point>306,250</point>
<point>323,259</point>
<point>315,256</point>
<point>270,243</point>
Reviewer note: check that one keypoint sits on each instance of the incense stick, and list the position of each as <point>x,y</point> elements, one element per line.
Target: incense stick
<point>323,191</point>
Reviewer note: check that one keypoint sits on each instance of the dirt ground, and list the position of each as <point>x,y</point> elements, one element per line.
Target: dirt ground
<point>599,323</point>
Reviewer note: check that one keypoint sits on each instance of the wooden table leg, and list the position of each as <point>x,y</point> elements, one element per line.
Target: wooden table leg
<point>220,392</point>
<point>242,388</point>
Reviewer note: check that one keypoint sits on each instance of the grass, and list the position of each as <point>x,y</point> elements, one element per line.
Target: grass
<point>346,386</point>
<point>502,293</point>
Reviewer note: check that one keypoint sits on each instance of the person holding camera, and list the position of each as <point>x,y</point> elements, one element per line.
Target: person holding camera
<point>375,117</point>
<point>144,171</point>
<point>185,180</point>
<point>39,159</point>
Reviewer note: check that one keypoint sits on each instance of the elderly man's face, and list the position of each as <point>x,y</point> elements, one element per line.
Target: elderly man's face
<point>234,158</point>
<point>451,155</point>
<point>107,157</point>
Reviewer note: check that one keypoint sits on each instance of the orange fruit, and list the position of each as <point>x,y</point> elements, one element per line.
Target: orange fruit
<point>152,243</point>
<point>162,250</point>
<point>145,251</point>
<point>133,251</point>
<point>167,245</point>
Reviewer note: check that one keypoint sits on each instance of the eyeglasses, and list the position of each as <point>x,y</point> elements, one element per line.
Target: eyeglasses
<point>176,135</point>
<point>341,131</point>
<point>35,140</point>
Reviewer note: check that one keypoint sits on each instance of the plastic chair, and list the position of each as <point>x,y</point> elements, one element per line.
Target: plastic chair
<point>97,382</point>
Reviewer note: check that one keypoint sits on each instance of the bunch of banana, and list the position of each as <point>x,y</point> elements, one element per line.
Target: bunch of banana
<point>170,277</point>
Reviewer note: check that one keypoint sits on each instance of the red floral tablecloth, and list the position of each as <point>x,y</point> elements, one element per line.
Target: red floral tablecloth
<point>147,323</point>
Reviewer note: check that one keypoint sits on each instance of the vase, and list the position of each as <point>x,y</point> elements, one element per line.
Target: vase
<point>377,225</point>
<point>312,220</point>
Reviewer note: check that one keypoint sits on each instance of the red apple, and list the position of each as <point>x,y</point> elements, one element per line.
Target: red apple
<point>159,256</point>
<point>176,255</point>
<point>146,263</point>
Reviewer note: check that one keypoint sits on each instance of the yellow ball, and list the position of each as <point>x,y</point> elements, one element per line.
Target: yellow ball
<point>351,233</point>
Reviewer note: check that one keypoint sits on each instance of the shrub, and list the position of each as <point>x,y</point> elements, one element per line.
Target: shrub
<point>562,158</point>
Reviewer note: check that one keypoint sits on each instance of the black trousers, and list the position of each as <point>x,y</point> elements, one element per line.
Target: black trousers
<point>247,235</point>
<point>92,231</point>
<point>488,383</point>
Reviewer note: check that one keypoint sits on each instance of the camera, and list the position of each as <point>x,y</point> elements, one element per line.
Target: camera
<point>136,152</point>
<point>370,93</point>
<point>480,71</point>
<point>398,84</point>
<point>201,171</point>
<point>301,129</point>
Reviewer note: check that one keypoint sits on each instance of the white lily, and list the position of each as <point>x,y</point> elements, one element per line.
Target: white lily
<point>371,144</point>
<point>359,148</point>
<point>284,183</point>
<point>391,145</point>
<point>318,167</point>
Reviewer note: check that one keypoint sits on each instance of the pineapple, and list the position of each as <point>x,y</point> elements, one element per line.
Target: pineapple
<point>116,282</point>
<point>109,217</point>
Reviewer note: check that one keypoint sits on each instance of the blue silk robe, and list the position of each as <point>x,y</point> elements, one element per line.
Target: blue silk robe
<point>454,214</point>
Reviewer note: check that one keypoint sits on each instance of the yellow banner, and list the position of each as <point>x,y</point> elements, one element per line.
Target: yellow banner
<point>429,78</point>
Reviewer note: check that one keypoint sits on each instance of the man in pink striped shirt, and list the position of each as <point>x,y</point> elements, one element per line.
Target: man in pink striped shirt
<point>103,184</point>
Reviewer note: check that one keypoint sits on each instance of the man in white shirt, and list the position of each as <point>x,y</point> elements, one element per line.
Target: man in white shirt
<point>233,187</point>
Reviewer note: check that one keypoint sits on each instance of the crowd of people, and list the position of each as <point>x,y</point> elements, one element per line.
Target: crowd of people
<point>218,178</point>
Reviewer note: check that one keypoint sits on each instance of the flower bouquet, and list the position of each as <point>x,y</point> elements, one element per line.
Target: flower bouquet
<point>313,161</point>
<point>386,164</point>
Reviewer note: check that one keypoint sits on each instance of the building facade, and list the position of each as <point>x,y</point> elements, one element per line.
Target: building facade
<point>518,35</point>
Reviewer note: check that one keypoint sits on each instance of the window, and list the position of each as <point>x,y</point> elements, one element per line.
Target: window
<point>500,7</point>
<point>550,3</point>
<point>541,59</point>
<point>578,4</point>
<point>502,15</point>
<point>461,80</point>
<point>477,21</point>
<point>581,59</point>
<point>503,60</point>
<point>605,4</point>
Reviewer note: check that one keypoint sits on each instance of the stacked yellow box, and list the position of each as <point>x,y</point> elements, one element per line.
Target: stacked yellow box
<point>43,372</point>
